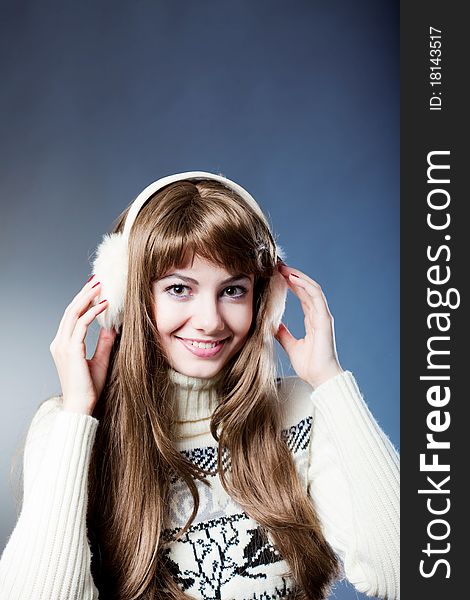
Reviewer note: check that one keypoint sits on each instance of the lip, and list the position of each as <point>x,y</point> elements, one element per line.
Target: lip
<point>202,352</point>
<point>199,340</point>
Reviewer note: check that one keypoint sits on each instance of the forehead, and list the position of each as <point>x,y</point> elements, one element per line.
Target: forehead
<point>202,269</point>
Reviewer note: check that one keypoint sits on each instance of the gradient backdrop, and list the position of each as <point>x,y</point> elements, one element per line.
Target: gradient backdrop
<point>298,101</point>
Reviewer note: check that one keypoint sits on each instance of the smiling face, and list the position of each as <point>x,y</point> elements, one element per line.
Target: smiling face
<point>203,314</point>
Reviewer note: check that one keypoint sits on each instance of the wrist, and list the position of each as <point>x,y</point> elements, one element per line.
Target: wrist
<point>326,375</point>
<point>76,407</point>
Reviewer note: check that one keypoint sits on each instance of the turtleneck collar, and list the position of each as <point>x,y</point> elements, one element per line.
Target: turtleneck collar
<point>196,399</point>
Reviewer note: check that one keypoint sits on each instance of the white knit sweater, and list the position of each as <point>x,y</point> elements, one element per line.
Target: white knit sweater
<point>345,461</point>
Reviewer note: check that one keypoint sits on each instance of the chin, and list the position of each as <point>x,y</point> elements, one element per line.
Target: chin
<point>201,371</point>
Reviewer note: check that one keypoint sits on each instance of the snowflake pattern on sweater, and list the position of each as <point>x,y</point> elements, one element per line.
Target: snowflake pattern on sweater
<point>225,550</point>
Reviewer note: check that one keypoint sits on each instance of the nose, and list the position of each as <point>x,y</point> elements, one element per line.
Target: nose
<point>207,315</point>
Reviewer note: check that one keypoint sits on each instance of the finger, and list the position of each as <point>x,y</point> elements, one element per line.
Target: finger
<point>83,322</point>
<point>100,360</point>
<point>285,338</point>
<point>305,298</point>
<point>319,310</point>
<point>300,274</point>
<point>307,307</point>
<point>88,286</point>
<point>318,300</point>
<point>79,305</point>
<point>105,343</point>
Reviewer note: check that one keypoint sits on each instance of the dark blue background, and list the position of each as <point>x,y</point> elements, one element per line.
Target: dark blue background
<point>297,101</point>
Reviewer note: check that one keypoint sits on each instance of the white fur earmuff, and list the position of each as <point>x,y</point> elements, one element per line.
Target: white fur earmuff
<point>110,264</point>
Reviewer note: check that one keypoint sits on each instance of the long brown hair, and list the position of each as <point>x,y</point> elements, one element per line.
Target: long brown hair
<point>134,456</point>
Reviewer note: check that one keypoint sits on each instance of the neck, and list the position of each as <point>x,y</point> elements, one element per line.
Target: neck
<point>196,399</point>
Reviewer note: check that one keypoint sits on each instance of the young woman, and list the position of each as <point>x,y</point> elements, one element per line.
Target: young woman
<point>175,464</point>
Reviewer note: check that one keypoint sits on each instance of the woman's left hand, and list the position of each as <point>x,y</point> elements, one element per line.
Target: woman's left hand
<point>313,357</point>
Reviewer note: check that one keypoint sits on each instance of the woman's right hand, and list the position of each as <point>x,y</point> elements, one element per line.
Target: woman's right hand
<point>82,379</point>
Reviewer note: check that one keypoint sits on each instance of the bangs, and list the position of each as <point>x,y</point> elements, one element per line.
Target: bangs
<point>219,228</point>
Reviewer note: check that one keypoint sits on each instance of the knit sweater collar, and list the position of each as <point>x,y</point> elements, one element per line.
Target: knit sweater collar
<point>196,399</point>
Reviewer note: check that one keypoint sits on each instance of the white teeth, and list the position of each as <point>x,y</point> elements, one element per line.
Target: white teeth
<point>202,345</point>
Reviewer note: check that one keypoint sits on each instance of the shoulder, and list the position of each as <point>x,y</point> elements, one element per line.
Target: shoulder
<point>46,407</point>
<point>295,399</point>
<point>44,416</point>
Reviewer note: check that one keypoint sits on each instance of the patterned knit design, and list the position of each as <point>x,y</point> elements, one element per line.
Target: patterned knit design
<point>225,552</point>
<point>344,460</point>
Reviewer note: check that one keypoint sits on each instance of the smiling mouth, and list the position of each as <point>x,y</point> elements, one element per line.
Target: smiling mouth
<point>201,350</point>
<point>202,343</point>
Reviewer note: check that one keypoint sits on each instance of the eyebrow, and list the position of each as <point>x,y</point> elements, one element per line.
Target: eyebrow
<point>238,277</point>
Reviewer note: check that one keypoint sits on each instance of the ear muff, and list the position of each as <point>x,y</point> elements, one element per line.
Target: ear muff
<point>110,264</point>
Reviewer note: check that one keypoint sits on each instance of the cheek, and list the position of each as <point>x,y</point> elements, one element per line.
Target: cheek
<point>166,315</point>
<point>240,319</point>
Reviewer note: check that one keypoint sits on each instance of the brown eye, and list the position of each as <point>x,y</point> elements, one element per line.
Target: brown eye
<point>175,289</point>
<point>242,291</point>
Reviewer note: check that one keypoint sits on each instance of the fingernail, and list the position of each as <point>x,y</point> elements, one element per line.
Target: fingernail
<point>294,275</point>
<point>91,277</point>
<point>102,301</point>
<point>93,286</point>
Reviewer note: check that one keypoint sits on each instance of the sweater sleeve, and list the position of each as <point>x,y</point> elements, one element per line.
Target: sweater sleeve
<point>353,479</point>
<point>47,556</point>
